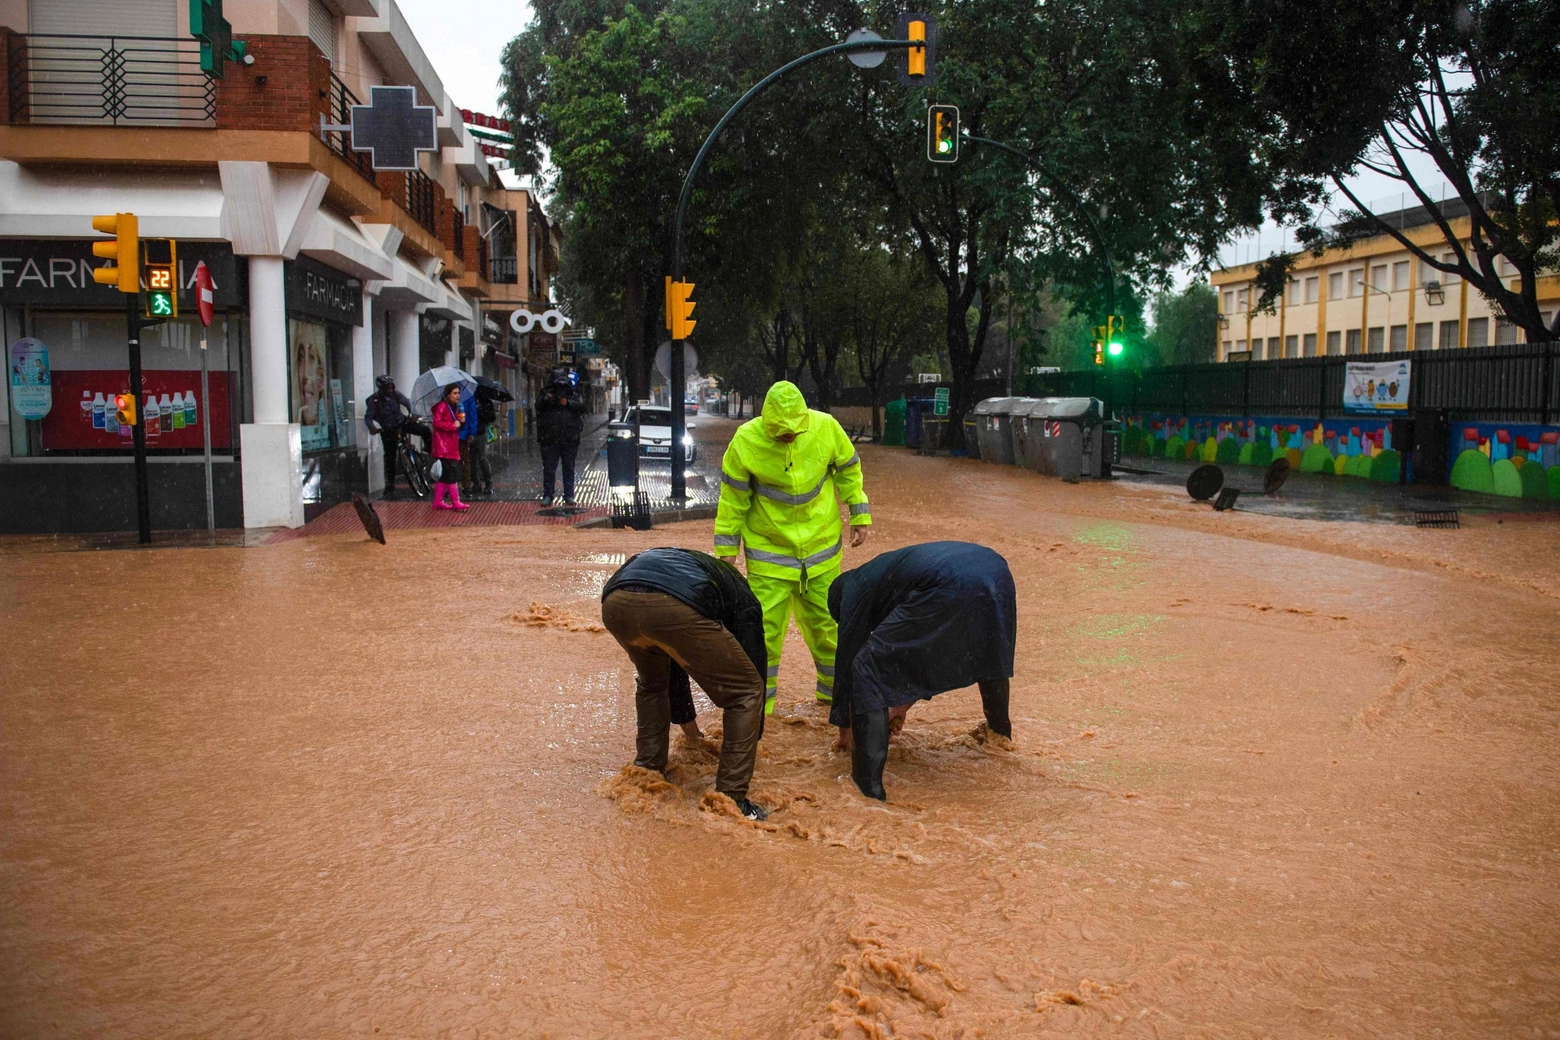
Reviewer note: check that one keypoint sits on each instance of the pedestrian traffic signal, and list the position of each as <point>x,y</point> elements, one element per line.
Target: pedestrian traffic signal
<point>162,296</point>
<point>679,307</point>
<point>1099,351</point>
<point>920,62</point>
<point>124,408</point>
<point>125,251</point>
<point>942,133</point>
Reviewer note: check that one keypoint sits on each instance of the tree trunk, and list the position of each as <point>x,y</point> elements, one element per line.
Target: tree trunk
<point>634,336</point>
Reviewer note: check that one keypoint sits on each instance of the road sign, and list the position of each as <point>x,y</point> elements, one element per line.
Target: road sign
<point>940,401</point>
<point>205,293</point>
<point>587,347</point>
<point>393,128</point>
<point>865,59</point>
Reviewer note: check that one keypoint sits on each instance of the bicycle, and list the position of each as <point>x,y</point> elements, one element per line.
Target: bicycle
<point>412,460</point>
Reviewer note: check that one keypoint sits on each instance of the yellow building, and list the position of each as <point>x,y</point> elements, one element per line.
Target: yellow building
<point>1369,299</point>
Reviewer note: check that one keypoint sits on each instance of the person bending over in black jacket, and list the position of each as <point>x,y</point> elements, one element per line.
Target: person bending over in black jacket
<point>679,613</point>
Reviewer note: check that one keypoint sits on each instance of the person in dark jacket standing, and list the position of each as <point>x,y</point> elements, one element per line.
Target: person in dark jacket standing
<point>560,419</point>
<point>679,613</point>
<point>914,623</point>
<point>481,472</point>
<point>384,413</point>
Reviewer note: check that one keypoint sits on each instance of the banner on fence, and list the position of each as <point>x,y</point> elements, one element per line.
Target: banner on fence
<point>1376,386</point>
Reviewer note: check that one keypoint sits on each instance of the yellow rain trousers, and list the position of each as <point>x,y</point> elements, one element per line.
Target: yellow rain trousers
<point>780,507</point>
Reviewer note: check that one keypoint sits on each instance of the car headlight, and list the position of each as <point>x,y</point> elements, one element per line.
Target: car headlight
<point>688,440</point>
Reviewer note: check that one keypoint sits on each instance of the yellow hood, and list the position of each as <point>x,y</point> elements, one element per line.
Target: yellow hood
<point>785,410</point>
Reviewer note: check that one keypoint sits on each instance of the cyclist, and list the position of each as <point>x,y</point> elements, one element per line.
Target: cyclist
<point>384,413</point>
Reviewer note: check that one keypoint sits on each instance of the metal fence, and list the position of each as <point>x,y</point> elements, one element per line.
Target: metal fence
<point>505,270</point>
<point>1513,383</point>
<point>340,141</point>
<point>420,200</point>
<point>108,80</point>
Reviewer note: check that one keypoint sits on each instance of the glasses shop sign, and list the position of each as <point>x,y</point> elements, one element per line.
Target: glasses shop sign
<point>316,291</point>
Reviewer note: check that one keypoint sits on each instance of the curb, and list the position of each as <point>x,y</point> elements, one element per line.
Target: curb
<point>660,516</point>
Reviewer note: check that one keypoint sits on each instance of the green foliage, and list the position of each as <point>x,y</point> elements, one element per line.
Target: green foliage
<point>1185,325</point>
<point>1387,467</point>
<point>1228,451</point>
<point>1472,472</point>
<point>1316,459</point>
<point>1506,479</point>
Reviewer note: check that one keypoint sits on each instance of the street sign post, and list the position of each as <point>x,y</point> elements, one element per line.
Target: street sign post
<point>124,273</point>
<point>940,402</point>
<point>205,304</point>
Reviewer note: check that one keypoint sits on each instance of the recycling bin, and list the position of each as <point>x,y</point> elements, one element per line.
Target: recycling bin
<point>994,428</point>
<point>917,409</point>
<point>1062,436</point>
<point>894,424</point>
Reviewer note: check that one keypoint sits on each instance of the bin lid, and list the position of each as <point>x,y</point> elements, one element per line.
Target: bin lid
<point>996,405</point>
<point>1079,409</point>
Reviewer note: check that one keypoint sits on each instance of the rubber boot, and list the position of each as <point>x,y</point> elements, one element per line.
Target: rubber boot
<point>869,752</point>
<point>994,701</point>
<point>455,502</point>
<point>439,490</point>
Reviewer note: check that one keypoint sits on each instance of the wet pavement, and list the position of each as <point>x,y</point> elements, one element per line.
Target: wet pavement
<point>1270,776</point>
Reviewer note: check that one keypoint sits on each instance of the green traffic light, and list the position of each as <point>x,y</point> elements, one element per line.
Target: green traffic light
<point>945,146</point>
<point>1114,348</point>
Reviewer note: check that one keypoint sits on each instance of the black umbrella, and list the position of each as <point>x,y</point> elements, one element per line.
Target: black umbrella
<point>492,389</point>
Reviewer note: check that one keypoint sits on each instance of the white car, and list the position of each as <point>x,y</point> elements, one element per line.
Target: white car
<point>655,434</point>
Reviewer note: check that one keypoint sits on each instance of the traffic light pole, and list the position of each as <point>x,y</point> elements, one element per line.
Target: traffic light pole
<point>143,506</point>
<point>679,376</point>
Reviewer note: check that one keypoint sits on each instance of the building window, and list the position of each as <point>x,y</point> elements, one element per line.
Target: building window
<point>1242,298</point>
<point>1332,344</point>
<point>1228,346</point>
<point>1229,301</point>
<point>1313,287</point>
<point>320,388</point>
<point>1448,335</point>
<point>1256,349</point>
<point>1351,341</point>
<point>1506,332</point>
<point>1424,335</point>
<point>1378,339</point>
<point>1378,277</point>
<point>1291,346</point>
<point>1275,348</point>
<point>1335,285</point>
<point>1478,332</point>
<point>1399,338</point>
<point>1357,282</point>
<point>1310,344</point>
<point>1449,277</point>
<point>1240,346</point>
<point>1294,291</point>
<point>322,29</point>
<point>1400,275</point>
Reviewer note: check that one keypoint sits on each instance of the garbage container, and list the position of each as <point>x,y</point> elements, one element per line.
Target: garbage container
<point>916,411</point>
<point>994,428</point>
<point>971,438</point>
<point>1062,436</point>
<point>894,424</point>
<point>622,458</point>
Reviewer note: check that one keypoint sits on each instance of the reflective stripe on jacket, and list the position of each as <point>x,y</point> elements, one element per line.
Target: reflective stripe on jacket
<point>779,502</point>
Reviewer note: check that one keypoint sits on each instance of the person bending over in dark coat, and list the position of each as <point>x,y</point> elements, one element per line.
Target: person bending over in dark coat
<point>678,613</point>
<point>914,623</point>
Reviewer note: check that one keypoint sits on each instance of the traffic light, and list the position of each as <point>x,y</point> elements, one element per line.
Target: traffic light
<point>1099,349</point>
<point>1115,325</point>
<point>124,408</point>
<point>942,133</point>
<point>679,308</point>
<point>162,295</point>
<point>920,62</point>
<point>125,250</point>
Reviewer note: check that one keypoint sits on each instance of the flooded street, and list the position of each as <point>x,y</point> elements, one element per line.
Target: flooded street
<point>1269,777</point>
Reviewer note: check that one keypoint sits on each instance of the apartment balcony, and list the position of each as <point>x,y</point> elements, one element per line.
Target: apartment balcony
<point>505,270</point>
<point>106,81</point>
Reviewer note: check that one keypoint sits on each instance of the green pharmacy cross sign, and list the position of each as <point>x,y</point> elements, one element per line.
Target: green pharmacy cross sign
<point>215,34</point>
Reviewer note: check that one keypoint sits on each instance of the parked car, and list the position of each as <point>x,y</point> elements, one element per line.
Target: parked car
<point>655,433</point>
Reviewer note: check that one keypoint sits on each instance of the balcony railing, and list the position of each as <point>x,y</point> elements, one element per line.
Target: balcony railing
<point>340,142</point>
<point>460,236</point>
<point>421,201</point>
<point>108,80</point>
<point>505,270</point>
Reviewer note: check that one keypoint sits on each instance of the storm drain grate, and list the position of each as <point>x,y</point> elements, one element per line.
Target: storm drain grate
<point>1436,518</point>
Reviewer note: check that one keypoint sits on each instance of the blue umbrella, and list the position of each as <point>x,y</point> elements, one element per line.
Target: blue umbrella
<point>430,387</point>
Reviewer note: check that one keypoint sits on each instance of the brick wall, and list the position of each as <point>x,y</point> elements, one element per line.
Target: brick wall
<point>287,88</point>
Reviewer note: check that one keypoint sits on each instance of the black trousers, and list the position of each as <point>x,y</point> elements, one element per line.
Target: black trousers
<point>552,455</point>
<point>390,440</point>
<point>481,472</point>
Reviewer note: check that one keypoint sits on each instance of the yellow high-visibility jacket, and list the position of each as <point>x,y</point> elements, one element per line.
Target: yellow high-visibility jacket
<point>779,502</point>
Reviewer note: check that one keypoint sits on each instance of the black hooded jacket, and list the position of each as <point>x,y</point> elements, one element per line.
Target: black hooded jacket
<point>710,587</point>
<point>918,621</point>
<point>560,415</point>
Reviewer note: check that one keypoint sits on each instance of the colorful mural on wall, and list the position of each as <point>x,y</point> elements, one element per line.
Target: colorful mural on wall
<point>1520,461</point>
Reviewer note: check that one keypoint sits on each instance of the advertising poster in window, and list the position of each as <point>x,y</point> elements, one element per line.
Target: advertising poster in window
<point>1376,386</point>
<point>310,407</point>
<point>32,391</point>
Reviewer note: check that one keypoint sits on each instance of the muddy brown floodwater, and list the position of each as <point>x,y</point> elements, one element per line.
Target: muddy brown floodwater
<point>1269,778</point>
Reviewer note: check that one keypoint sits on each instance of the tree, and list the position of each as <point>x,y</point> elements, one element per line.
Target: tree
<point>1466,86</point>
<point>1185,325</point>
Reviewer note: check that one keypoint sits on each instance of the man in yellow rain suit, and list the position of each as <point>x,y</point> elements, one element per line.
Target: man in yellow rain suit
<point>782,481</point>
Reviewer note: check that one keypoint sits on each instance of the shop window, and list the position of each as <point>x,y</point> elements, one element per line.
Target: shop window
<point>1400,275</point>
<point>319,360</point>
<point>1399,337</point>
<point>1313,288</point>
<point>1449,335</point>
<point>1351,341</point>
<point>87,365</point>
<point>1424,335</point>
<point>1333,349</point>
<point>1478,332</point>
<point>1309,347</point>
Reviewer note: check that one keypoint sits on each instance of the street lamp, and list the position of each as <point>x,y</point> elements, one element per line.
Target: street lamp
<point>1434,294</point>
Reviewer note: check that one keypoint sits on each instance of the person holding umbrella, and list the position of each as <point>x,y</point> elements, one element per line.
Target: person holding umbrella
<point>488,394</point>
<point>448,418</point>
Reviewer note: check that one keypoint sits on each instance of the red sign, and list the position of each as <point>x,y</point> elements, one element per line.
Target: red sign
<point>205,293</point>
<point>76,422</point>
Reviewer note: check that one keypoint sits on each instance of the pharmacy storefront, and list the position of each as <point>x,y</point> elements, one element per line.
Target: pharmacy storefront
<point>65,462</point>
<point>323,307</point>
